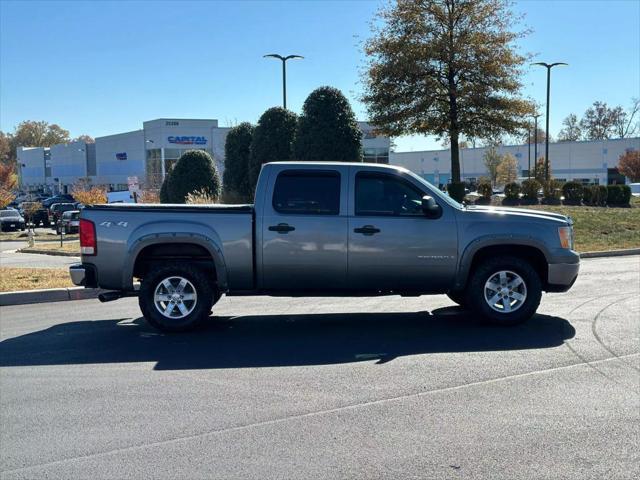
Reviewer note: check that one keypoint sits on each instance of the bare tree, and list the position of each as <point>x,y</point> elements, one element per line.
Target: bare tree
<point>571,130</point>
<point>625,123</point>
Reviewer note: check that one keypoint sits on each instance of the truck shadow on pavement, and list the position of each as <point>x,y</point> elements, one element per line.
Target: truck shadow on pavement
<point>279,340</point>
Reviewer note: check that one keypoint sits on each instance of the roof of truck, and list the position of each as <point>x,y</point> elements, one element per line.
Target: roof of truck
<point>336,164</point>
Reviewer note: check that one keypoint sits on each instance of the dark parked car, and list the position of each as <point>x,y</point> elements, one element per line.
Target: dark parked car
<point>62,198</point>
<point>70,222</point>
<point>57,209</point>
<point>11,219</point>
<point>40,216</point>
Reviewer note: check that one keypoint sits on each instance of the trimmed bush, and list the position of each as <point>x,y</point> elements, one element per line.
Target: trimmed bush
<point>530,189</point>
<point>456,191</point>
<point>512,191</point>
<point>327,129</point>
<point>618,194</point>
<point>572,192</point>
<point>236,161</point>
<point>485,190</point>
<point>272,140</point>
<point>626,194</point>
<point>194,171</point>
<point>600,195</point>
<point>595,195</point>
<point>164,191</point>
<point>551,192</point>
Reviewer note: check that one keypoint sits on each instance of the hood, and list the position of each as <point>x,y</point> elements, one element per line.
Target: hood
<point>520,212</point>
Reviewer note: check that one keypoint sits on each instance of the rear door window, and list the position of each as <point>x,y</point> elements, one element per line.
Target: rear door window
<point>307,192</point>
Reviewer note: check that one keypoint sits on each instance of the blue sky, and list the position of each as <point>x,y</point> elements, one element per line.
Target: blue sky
<point>105,67</point>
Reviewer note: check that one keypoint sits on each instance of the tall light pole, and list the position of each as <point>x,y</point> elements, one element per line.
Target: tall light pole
<point>284,73</point>
<point>535,139</point>
<point>548,66</point>
<point>529,146</point>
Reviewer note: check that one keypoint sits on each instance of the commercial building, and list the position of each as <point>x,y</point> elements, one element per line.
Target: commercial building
<point>150,153</point>
<point>146,154</point>
<point>587,162</point>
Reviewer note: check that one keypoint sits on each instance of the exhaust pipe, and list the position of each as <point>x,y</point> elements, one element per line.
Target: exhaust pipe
<point>111,296</point>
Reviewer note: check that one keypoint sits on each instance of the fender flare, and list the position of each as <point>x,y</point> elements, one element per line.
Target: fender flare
<point>466,259</point>
<point>210,242</point>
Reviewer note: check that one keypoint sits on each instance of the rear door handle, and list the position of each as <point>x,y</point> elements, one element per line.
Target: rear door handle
<point>367,230</point>
<point>281,228</point>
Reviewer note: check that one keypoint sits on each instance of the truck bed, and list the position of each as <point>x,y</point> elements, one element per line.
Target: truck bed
<point>124,230</point>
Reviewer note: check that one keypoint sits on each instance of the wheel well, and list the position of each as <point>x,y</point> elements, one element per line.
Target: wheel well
<point>163,252</point>
<point>530,254</point>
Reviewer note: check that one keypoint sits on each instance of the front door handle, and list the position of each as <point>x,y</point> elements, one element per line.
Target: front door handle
<point>367,230</point>
<point>281,228</point>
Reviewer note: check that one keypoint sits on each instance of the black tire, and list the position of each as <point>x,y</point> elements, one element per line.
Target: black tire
<point>458,297</point>
<point>201,285</point>
<point>485,271</point>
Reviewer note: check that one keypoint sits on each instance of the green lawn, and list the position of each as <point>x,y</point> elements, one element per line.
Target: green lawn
<point>601,228</point>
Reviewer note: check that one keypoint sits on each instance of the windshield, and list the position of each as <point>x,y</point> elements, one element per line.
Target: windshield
<point>436,191</point>
<point>8,213</point>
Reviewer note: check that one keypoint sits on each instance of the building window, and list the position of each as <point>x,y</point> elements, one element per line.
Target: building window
<point>376,155</point>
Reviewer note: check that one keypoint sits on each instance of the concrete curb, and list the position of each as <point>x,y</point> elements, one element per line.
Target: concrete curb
<point>49,252</point>
<point>25,297</point>
<point>611,253</point>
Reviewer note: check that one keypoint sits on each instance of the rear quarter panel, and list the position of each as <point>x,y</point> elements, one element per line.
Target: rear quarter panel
<point>123,233</point>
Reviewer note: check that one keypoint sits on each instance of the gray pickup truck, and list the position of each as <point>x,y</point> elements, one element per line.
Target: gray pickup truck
<point>325,228</point>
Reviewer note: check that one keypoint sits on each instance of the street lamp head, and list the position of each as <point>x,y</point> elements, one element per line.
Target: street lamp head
<point>549,65</point>
<point>280,57</point>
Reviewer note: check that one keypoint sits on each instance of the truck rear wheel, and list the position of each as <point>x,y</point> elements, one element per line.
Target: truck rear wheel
<point>505,290</point>
<point>175,297</point>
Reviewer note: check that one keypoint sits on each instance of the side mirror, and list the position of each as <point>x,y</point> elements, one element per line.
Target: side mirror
<point>430,208</point>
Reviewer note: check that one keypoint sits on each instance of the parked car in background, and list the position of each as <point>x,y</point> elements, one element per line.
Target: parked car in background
<point>56,210</point>
<point>37,217</point>
<point>635,189</point>
<point>62,198</point>
<point>10,220</point>
<point>70,222</point>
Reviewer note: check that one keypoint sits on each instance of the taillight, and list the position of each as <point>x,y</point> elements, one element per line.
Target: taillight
<point>88,244</point>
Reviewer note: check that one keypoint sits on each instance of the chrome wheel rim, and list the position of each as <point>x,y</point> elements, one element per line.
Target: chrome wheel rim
<point>505,291</point>
<point>175,297</point>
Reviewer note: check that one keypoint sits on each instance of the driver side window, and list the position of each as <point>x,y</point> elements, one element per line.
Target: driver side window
<point>379,194</point>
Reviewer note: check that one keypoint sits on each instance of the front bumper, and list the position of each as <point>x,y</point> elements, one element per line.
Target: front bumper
<point>10,226</point>
<point>562,276</point>
<point>83,275</point>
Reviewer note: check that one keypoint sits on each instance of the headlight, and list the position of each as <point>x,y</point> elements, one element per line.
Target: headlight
<point>566,237</point>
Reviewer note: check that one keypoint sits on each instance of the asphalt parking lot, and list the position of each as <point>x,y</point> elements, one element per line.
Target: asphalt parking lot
<point>384,387</point>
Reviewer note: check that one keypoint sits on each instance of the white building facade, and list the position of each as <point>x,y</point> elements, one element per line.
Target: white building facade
<point>587,162</point>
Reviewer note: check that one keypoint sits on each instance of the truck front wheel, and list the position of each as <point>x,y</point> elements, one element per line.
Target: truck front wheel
<point>175,297</point>
<point>505,290</point>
